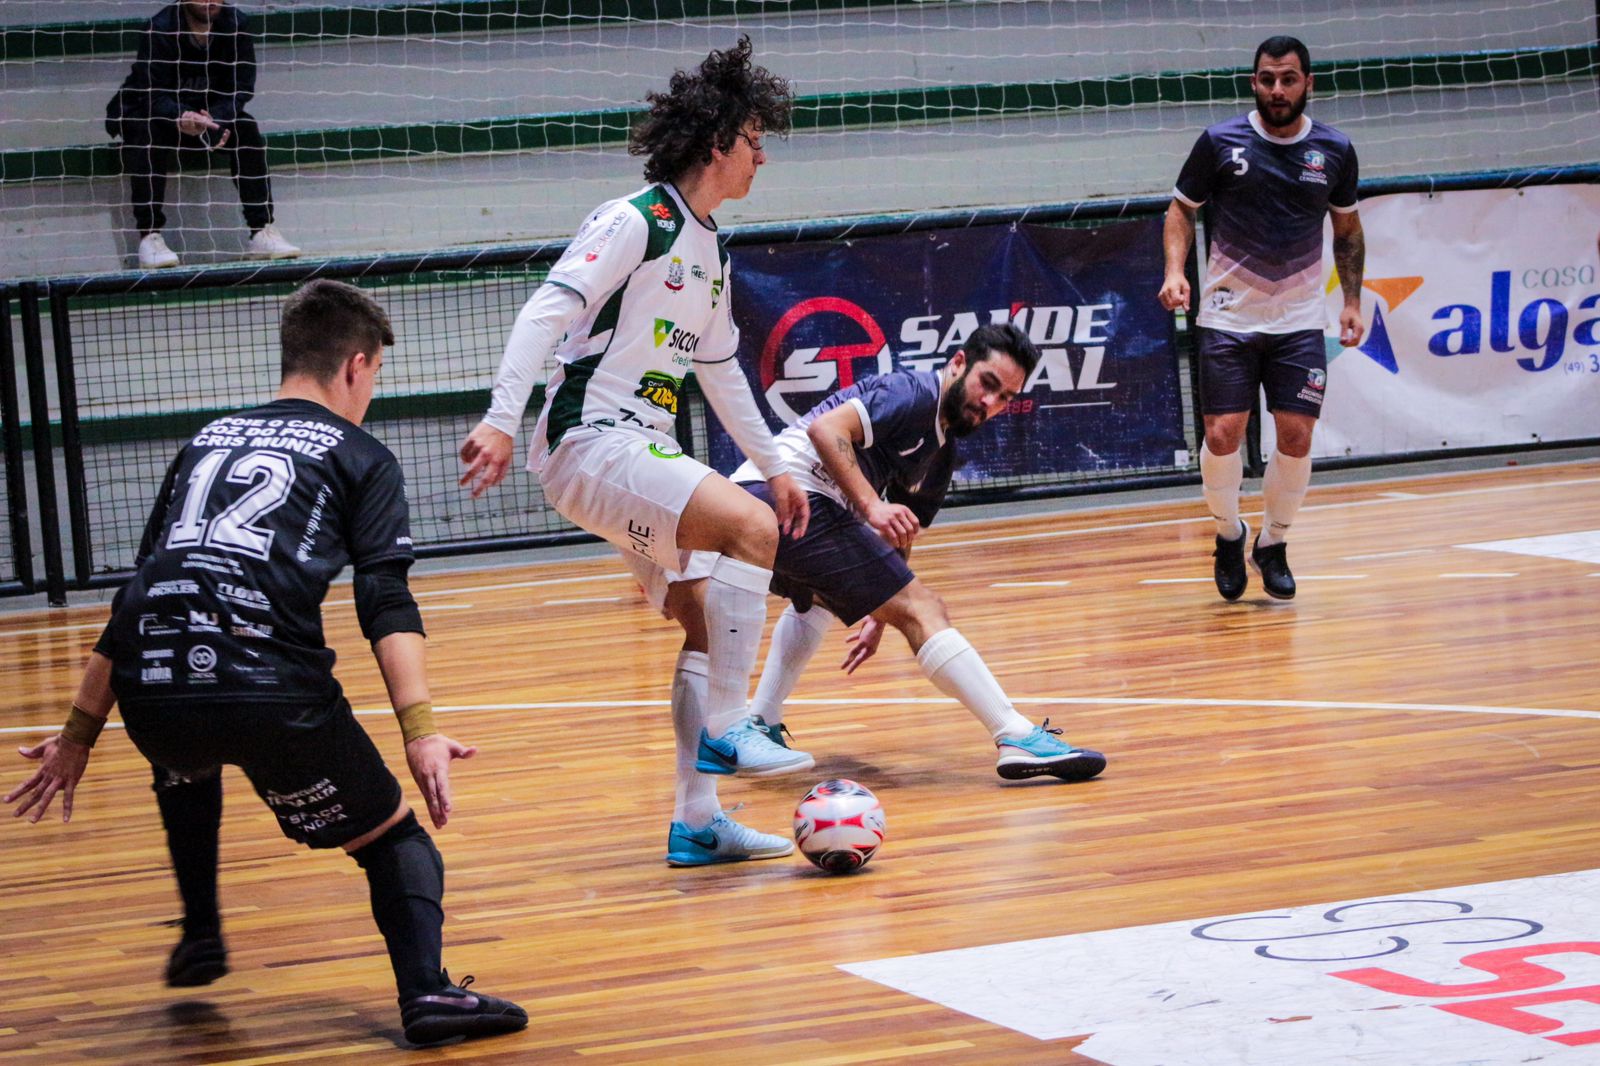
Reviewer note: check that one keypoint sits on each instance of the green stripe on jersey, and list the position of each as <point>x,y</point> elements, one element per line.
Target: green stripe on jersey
<point>566,410</point>
<point>665,221</point>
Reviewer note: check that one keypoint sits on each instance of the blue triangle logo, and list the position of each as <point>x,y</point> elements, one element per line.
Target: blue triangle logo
<point>1377,347</point>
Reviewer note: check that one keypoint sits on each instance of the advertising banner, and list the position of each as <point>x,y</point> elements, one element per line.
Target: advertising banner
<point>1483,324</point>
<point>818,316</point>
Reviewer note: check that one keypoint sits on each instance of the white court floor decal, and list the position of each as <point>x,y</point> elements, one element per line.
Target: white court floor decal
<point>1506,972</point>
<point>1581,547</point>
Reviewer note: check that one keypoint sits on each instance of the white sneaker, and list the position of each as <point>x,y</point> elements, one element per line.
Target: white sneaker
<point>746,750</point>
<point>724,840</point>
<point>154,253</point>
<point>268,243</point>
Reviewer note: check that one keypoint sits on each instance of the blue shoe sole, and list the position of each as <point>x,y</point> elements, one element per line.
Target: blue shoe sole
<point>1080,767</point>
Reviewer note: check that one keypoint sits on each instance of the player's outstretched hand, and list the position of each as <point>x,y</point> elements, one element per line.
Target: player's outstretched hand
<point>61,765</point>
<point>487,453</point>
<point>895,523</point>
<point>1174,293</point>
<point>863,644</point>
<point>429,758</point>
<point>794,510</point>
<point>1351,327</point>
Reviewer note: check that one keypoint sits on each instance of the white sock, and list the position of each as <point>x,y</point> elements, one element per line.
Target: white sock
<point>956,669</point>
<point>695,801</point>
<point>1283,489</point>
<point>795,639</point>
<point>736,612</point>
<point>1220,478</point>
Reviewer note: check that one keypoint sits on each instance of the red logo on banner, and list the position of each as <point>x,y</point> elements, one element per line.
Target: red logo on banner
<point>844,355</point>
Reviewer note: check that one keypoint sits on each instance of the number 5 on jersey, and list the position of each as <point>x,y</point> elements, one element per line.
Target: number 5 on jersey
<point>1239,160</point>
<point>270,475</point>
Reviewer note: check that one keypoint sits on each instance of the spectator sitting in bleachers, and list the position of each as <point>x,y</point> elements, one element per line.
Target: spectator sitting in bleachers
<point>194,72</point>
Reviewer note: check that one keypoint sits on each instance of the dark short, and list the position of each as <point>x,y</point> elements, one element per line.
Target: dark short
<point>841,563</point>
<point>312,764</point>
<point>1291,367</point>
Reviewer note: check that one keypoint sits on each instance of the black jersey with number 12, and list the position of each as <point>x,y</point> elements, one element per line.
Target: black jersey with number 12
<point>258,513</point>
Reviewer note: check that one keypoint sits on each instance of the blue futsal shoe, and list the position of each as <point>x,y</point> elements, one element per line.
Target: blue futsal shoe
<point>724,840</point>
<point>1040,752</point>
<point>748,751</point>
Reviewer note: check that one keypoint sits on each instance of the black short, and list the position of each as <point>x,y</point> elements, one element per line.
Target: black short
<point>313,765</point>
<point>1291,367</point>
<point>840,563</point>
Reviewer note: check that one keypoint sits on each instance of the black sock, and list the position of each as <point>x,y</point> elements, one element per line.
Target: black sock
<point>191,812</point>
<point>406,876</point>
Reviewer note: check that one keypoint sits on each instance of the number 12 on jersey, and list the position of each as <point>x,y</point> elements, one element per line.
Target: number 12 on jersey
<point>270,476</point>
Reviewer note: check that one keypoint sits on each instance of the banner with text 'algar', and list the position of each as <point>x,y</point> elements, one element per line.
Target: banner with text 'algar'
<point>817,316</point>
<point>1483,324</point>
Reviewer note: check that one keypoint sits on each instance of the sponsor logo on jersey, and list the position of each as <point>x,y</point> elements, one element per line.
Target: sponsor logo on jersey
<point>663,215</point>
<point>203,622</point>
<point>173,588</point>
<point>605,238</point>
<point>698,272</point>
<point>155,675</point>
<point>1314,162</point>
<point>665,453</point>
<point>669,336</point>
<point>243,627</point>
<point>241,595</point>
<point>1221,298</point>
<point>202,660</point>
<point>716,292</point>
<point>674,280</point>
<point>1317,379</point>
<point>660,390</point>
<point>151,625</point>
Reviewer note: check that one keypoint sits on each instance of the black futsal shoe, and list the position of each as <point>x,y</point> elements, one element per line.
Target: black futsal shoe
<point>197,961</point>
<point>1228,569</point>
<point>455,1012</point>
<point>1272,563</point>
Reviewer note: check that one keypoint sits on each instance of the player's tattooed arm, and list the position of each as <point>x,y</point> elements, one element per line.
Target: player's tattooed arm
<point>1349,254</point>
<point>835,435</point>
<point>1350,257</point>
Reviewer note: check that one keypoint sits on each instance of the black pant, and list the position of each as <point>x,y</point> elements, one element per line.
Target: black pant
<point>151,147</point>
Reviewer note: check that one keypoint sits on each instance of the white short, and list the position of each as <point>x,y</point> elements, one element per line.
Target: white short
<point>654,580</point>
<point>629,486</point>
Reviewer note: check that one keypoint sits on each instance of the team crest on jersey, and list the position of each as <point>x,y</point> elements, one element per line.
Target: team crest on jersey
<point>1316,160</point>
<point>1317,379</point>
<point>660,390</point>
<point>675,274</point>
<point>663,215</point>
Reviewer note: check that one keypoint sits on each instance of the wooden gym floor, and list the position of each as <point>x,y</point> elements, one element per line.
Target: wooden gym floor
<point>1263,756</point>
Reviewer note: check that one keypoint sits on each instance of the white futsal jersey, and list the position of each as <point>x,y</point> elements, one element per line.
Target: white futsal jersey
<point>654,282</point>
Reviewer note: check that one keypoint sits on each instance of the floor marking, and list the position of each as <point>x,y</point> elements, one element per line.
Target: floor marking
<point>1402,495</point>
<point>1478,573</point>
<point>1581,546</point>
<point>1174,580</point>
<point>503,585</point>
<point>1073,701</point>
<point>1330,577</point>
<point>444,606</point>
<point>1223,987</point>
<point>595,599</point>
<point>1387,555</point>
<point>1155,524</point>
<point>46,630</point>
<point>1028,584</point>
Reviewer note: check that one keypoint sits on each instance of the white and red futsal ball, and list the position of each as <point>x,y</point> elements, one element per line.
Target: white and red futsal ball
<point>839,826</point>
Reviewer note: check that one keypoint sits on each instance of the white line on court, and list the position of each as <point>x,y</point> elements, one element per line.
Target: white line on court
<point>1173,580</point>
<point>1402,495</point>
<point>1075,701</point>
<point>1027,584</point>
<point>52,629</point>
<point>1387,555</point>
<point>1330,577</point>
<point>621,575</point>
<point>1479,573</point>
<point>444,606</point>
<point>1052,534</point>
<point>594,599</point>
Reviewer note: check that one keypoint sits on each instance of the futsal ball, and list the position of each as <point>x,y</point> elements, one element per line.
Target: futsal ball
<point>839,826</point>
